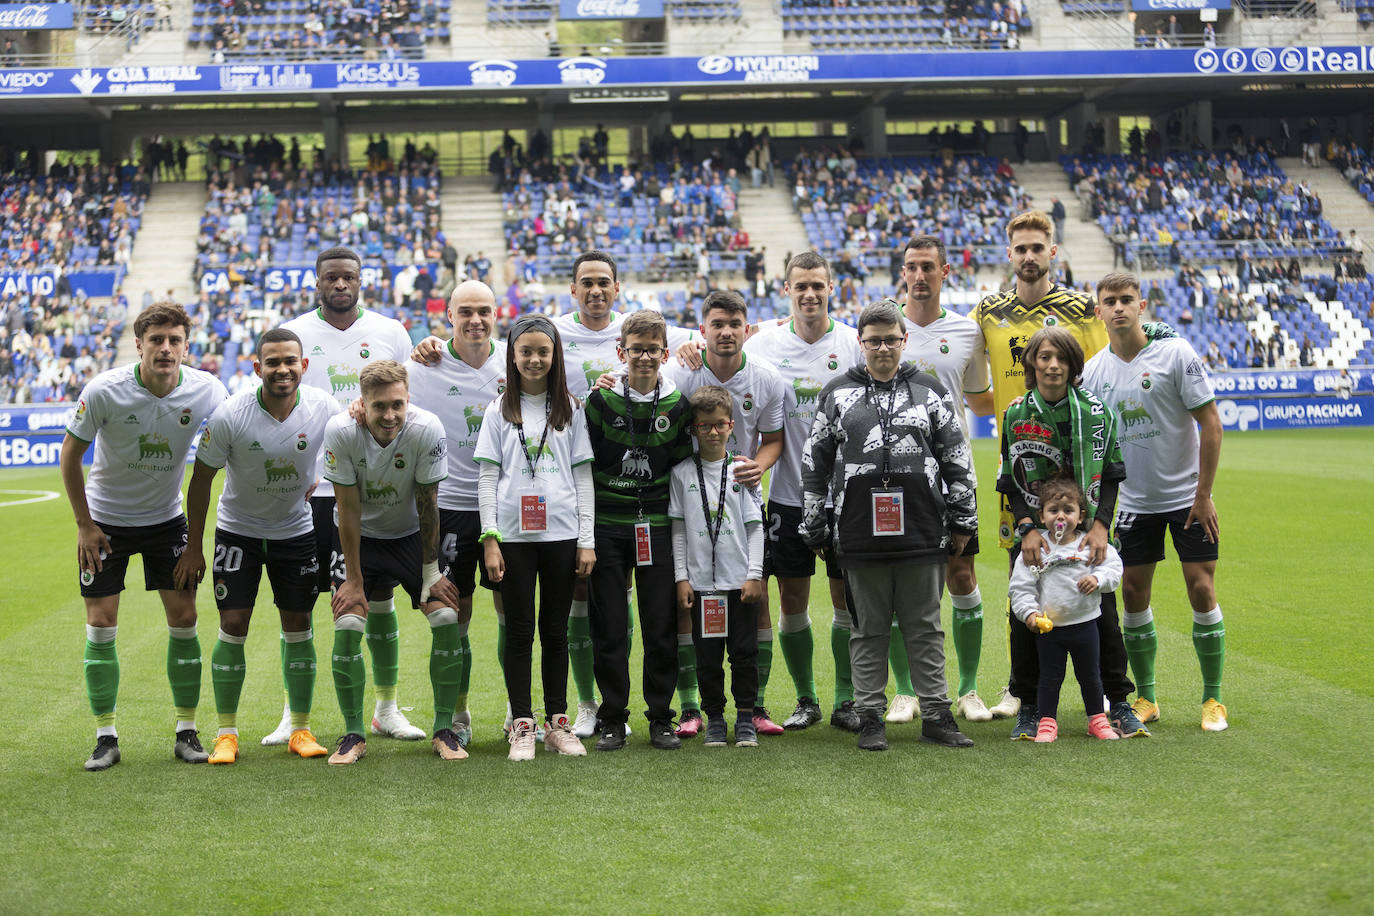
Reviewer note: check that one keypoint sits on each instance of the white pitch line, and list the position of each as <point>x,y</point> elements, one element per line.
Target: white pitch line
<point>39,496</point>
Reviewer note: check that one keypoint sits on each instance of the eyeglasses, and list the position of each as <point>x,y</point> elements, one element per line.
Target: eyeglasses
<point>651,352</point>
<point>719,426</point>
<point>877,343</point>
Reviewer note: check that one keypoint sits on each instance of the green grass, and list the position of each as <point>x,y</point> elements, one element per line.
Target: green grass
<point>1276,815</point>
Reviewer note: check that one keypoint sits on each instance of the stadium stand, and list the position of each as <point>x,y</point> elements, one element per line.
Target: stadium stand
<point>307,30</point>
<point>78,216</point>
<point>1357,166</point>
<point>873,25</point>
<point>519,12</point>
<point>1196,206</point>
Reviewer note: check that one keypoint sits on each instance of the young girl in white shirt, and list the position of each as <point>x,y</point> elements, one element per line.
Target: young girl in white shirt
<point>536,504</point>
<point>1060,600</point>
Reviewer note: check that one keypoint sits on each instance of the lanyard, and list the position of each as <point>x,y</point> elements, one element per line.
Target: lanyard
<point>713,532</point>
<point>630,430</point>
<point>543,437</point>
<point>884,421</point>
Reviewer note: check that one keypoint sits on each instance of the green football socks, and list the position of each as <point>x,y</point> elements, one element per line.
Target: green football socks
<point>1142,647</point>
<point>580,656</point>
<point>227,671</point>
<point>967,624</point>
<point>102,674</point>
<point>384,642</point>
<point>798,646</point>
<point>443,664</point>
<point>183,670</point>
<point>1209,641</point>
<point>349,673</point>
<point>901,665</point>
<point>299,666</point>
<point>839,648</point>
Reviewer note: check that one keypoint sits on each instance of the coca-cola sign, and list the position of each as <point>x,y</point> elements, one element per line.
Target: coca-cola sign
<point>610,9</point>
<point>16,17</point>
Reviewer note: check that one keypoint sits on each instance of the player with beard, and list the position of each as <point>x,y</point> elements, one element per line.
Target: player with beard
<point>340,338</point>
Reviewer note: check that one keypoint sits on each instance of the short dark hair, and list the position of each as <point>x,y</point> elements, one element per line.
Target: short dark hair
<point>337,253</point>
<point>594,255</point>
<point>1116,281</point>
<point>807,260</point>
<point>884,311</point>
<point>644,321</point>
<point>708,398</point>
<point>160,313</point>
<point>726,300</point>
<point>927,241</point>
<point>1062,341</point>
<point>279,335</point>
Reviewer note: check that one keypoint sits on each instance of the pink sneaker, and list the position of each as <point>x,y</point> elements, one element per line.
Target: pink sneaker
<point>1099,727</point>
<point>1048,730</point>
<point>690,724</point>
<point>763,724</point>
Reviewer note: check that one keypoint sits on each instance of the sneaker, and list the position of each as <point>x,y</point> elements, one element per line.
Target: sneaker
<point>1025,724</point>
<point>392,723</point>
<point>662,736</point>
<point>105,755</point>
<point>872,733</point>
<point>584,726</point>
<point>972,709</point>
<point>1098,727</point>
<point>351,749</point>
<point>1145,710</point>
<point>745,733</point>
<point>303,744</point>
<point>1007,705</point>
<point>1214,717</point>
<point>446,745</point>
<point>612,736</point>
<point>690,723</point>
<point>282,733</point>
<point>226,749</point>
<point>521,740</point>
<point>188,747</point>
<point>764,724</point>
<point>717,733</point>
<point>845,717</point>
<point>1123,719</point>
<point>1048,730</point>
<point>903,709</point>
<point>941,730</point>
<point>807,714</point>
<point>559,738</point>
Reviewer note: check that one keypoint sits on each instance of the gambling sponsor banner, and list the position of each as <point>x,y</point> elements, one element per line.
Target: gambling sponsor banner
<point>31,434</point>
<point>712,69</point>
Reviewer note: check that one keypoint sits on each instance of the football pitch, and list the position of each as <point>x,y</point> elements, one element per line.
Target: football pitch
<point>1274,815</point>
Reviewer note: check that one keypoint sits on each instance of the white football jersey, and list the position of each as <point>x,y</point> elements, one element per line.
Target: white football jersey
<point>1153,395</point>
<point>756,393</point>
<point>271,464</point>
<point>742,508</point>
<point>588,354</point>
<point>386,475</point>
<point>458,395</point>
<point>338,357</point>
<point>805,369</point>
<point>952,349</point>
<point>141,442</point>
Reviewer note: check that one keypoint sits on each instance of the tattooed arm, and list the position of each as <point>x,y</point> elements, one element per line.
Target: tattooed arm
<point>436,586</point>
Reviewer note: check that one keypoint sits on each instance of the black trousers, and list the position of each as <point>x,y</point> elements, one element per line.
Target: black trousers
<point>608,615</point>
<point>1054,648</point>
<point>553,564</point>
<point>741,640</point>
<point>1025,662</point>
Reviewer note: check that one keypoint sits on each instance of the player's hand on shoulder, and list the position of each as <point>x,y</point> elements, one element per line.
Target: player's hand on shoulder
<point>428,351</point>
<point>689,354</point>
<point>357,411</point>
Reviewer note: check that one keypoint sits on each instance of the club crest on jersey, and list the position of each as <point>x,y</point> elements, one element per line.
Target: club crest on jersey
<point>185,418</point>
<point>661,423</point>
<point>221,590</point>
<point>87,577</point>
<point>944,345</point>
<point>748,402</point>
<point>1031,430</point>
<point>501,385</point>
<point>832,362</point>
<point>1051,320</point>
<point>400,463</point>
<point>1145,381</point>
<point>301,442</point>
<point>363,351</point>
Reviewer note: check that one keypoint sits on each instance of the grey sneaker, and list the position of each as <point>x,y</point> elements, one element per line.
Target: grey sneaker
<point>188,747</point>
<point>105,755</point>
<point>746,735</point>
<point>716,732</point>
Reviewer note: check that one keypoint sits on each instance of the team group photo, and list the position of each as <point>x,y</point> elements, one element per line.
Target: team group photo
<point>686,456</point>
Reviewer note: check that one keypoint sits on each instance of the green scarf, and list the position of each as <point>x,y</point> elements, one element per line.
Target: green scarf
<point>1033,440</point>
